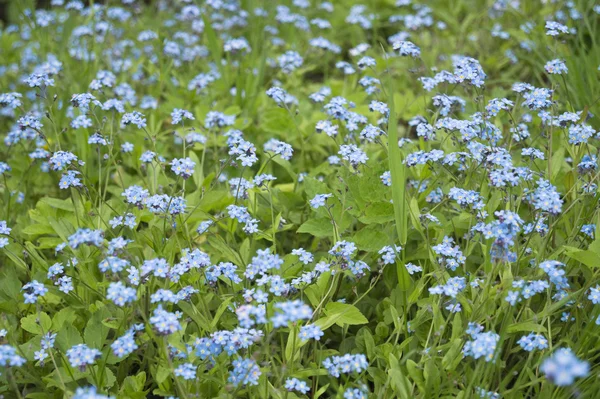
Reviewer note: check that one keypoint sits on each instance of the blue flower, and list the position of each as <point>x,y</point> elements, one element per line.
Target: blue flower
<point>165,322</point>
<point>179,115</point>
<point>388,254</point>
<point>289,61</point>
<point>33,291</point>
<point>290,312</point>
<point>406,48</point>
<point>134,118</point>
<point>353,154</point>
<point>354,393</point>
<point>556,67</point>
<point>9,357</point>
<point>279,148</point>
<point>594,295</point>
<point>452,287</point>
<point>537,98</point>
<point>294,384</point>
<point>236,45</point>
<point>120,294</point>
<point>4,229</point>
<point>305,256</point>
<point>86,236</point>
<point>533,341</point>
<point>61,159</point>
<point>310,331</point>
<point>346,364</point>
<point>70,179</point>
<point>187,371</point>
<point>135,195</point>
<point>183,167</point>
<point>580,133</point>
<point>563,367</point>
<point>483,344</point>
<point>81,356</point>
<point>89,393</point>
<point>554,28</point>
<point>545,197</point>
<point>204,226</point>
<point>125,344</point>
<point>245,372</point>
<point>319,200</point>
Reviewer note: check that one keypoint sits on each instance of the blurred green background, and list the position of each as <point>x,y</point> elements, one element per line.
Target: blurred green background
<point>10,9</point>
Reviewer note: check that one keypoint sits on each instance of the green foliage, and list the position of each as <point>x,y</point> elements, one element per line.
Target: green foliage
<point>380,299</point>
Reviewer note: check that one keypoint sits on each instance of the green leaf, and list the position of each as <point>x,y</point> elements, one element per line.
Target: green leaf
<point>312,372</point>
<point>378,212</point>
<point>212,41</point>
<point>221,246</point>
<point>133,386</point>
<point>287,166</point>
<point>319,227</point>
<point>453,356</point>
<point>343,313</point>
<point>397,169</point>
<point>416,374</point>
<point>588,258</point>
<point>65,315</point>
<point>526,326</point>
<point>398,379</point>
<point>38,395</point>
<point>67,337</point>
<point>369,343</point>
<point>38,229</point>
<point>189,309</point>
<point>370,239</point>
<point>162,373</point>
<point>37,326</point>
<point>10,286</point>
<point>65,205</point>
<point>292,345</point>
<point>17,261</point>
<point>222,307</point>
<point>108,379</point>
<point>198,175</point>
<point>96,332</point>
<point>321,391</point>
<point>313,187</point>
<point>277,121</point>
<point>415,214</point>
<point>35,255</point>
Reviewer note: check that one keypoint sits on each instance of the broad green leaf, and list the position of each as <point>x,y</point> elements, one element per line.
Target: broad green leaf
<point>278,121</point>
<point>343,313</point>
<point>370,239</point>
<point>378,212</point>
<point>319,227</point>
<point>65,205</point>
<point>588,258</point>
<point>67,337</point>
<point>38,229</point>
<point>36,325</point>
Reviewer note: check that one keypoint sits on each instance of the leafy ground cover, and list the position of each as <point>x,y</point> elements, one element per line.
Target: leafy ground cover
<point>300,199</point>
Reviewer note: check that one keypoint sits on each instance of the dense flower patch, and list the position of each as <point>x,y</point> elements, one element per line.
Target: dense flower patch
<point>300,199</point>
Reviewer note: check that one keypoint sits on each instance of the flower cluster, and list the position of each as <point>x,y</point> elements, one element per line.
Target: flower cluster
<point>563,367</point>
<point>482,344</point>
<point>346,364</point>
<point>81,356</point>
